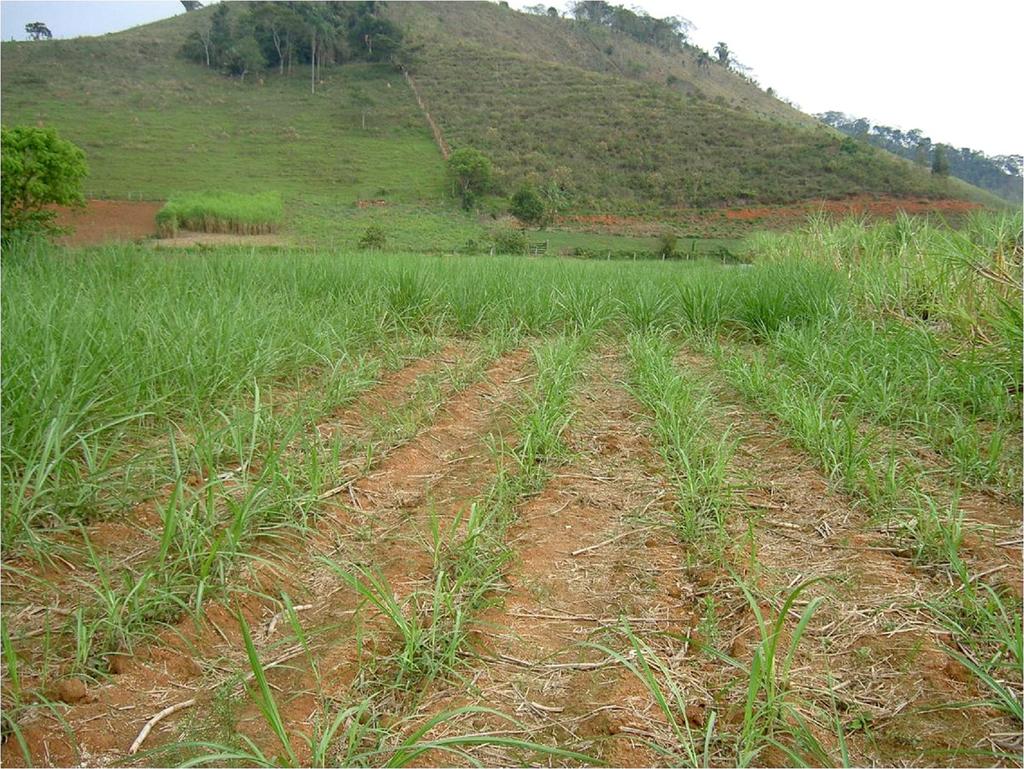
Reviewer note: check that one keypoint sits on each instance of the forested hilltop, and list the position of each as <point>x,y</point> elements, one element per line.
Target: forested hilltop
<point>999,174</point>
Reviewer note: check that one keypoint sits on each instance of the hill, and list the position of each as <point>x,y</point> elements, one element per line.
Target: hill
<point>630,124</point>
<point>623,125</point>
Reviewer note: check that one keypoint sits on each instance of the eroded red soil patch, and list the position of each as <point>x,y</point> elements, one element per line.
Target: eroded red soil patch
<point>106,221</point>
<point>738,221</point>
<point>883,208</point>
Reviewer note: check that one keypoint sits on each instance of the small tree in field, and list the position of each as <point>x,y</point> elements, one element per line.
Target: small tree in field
<point>37,169</point>
<point>528,207</point>
<point>470,172</point>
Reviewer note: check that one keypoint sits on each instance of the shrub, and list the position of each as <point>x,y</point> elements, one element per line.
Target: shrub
<point>510,241</point>
<point>37,169</point>
<point>373,238</point>
<point>528,206</point>
<point>666,247</point>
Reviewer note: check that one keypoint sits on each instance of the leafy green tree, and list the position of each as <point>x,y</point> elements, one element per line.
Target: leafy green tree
<point>191,5</point>
<point>197,46</point>
<point>37,169</point>
<point>220,34</point>
<point>244,56</point>
<point>277,27</point>
<point>528,206</point>
<point>921,152</point>
<point>722,52</point>
<point>940,163</point>
<point>471,173</point>
<point>377,37</point>
<point>38,31</point>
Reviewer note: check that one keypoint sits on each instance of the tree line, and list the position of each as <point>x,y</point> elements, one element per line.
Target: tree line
<point>669,34</point>
<point>999,174</point>
<point>281,35</point>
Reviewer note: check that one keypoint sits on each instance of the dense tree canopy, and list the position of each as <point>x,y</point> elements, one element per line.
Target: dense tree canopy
<point>37,169</point>
<point>282,34</point>
<point>668,33</point>
<point>528,206</point>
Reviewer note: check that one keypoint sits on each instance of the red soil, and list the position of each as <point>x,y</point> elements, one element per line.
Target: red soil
<point>878,207</point>
<point>103,221</point>
<point>739,221</point>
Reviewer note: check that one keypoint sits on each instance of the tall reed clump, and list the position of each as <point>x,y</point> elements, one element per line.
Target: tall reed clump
<point>226,212</point>
<point>964,285</point>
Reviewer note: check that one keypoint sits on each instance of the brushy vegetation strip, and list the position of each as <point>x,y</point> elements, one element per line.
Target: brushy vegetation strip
<point>228,212</point>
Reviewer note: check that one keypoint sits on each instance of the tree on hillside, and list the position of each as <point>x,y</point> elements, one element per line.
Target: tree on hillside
<point>197,46</point>
<point>191,5</point>
<point>38,31</point>
<point>243,57</point>
<point>922,151</point>
<point>220,34</point>
<point>553,12</point>
<point>278,27</point>
<point>37,169</point>
<point>379,37</point>
<point>703,60</point>
<point>592,11</point>
<point>940,163</point>
<point>470,172</point>
<point>722,52</point>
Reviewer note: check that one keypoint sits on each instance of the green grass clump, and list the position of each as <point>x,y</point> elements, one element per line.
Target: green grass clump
<point>696,453</point>
<point>228,212</point>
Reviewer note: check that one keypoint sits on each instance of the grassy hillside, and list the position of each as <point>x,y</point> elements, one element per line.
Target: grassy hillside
<point>154,124</point>
<point>628,144</point>
<point>598,49</point>
<point>542,96</point>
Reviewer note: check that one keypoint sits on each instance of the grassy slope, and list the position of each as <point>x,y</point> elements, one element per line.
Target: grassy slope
<point>153,125</point>
<point>635,144</point>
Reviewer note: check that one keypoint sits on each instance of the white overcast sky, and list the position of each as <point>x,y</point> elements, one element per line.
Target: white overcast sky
<point>951,70</point>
